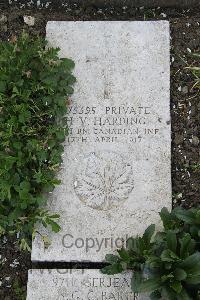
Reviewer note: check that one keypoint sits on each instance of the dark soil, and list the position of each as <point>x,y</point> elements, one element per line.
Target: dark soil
<point>185,108</point>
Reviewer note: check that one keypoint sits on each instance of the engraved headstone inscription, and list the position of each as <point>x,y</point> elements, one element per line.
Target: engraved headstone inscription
<point>79,285</point>
<point>116,173</point>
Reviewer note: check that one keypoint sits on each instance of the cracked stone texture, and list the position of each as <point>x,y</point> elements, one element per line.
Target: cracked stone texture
<point>116,172</point>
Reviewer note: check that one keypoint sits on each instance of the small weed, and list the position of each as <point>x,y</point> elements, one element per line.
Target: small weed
<point>165,264</point>
<point>19,291</point>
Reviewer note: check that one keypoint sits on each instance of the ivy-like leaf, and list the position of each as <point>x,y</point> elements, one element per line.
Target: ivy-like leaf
<point>34,86</point>
<point>110,258</point>
<point>171,240</point>
<point>136,281</point>
<point>148,234</point>
<point>112,269</point>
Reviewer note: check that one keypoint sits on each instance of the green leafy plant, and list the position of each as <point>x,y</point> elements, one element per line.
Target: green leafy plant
<point>34,88</point>
<point>165,264</point>
<point>19,290</point>
<point>196,71</point>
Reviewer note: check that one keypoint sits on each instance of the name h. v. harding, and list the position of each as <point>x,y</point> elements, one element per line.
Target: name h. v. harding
<point>114,115</point>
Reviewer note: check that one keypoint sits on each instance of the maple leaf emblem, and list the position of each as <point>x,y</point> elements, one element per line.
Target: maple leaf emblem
<point>104,180</point>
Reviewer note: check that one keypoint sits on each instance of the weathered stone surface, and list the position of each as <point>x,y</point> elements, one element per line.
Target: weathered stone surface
<point>79,285</point>
<point>116,173</point>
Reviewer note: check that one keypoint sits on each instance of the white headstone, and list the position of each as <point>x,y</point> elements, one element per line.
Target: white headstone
<point>116,173</point>
<point>79,285</point>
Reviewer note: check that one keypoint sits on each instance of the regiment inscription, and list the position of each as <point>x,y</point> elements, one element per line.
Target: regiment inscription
<point>110,124</point>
